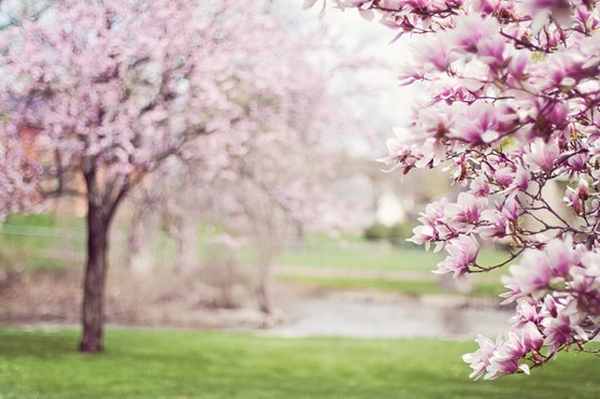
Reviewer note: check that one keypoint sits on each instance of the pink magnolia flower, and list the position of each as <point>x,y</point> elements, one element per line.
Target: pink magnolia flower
<point>576,197</point>
<point>480,187</point>
<point>504,176</point>
<point>478,123</point>
<point>486,7</point>
<point>436,122</point>
<point>462,253</point>
<point>492,50</point>
<point>511,208</point>
<point>479,361</point>
<point>561,256</point>
<point>434,212</point>
<point>467,209</point>
<point>436,52</point>
<point>526,312</point>
<point>506,357</point>
<point>497,224</point>
<point>549,307</point>
<point>423,234</point>
<point>518,65</point>
<point>400,155</point>
<point>531,275</point>
<point>591,262</point>
<point>585,288</point>
<point>521,179</point>
<point>433,224</point>
<point>562,328</point>
<point>556,113</point>
<point>578,162</point>
<point>532,337</point>
<point>542,155</point>
<point>471,29</point>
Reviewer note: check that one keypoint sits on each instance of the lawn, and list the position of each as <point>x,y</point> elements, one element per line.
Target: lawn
<point>177,364</point>
<point>480,288</point>
<point>382,260</point>
<point>355,253</point>
<point>42,241</point>
<point>324,252</point>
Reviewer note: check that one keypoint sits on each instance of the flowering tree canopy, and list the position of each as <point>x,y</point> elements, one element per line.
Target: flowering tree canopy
<point>109,90</point>
<point>17,175</point>
<point>513,109</point>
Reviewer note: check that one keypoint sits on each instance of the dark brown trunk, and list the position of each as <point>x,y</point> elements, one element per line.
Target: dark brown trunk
<point>262,291</point>
<point>92,312</point>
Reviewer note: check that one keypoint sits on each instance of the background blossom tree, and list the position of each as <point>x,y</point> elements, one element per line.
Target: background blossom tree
<point>112,89</point>
<point>17,175</point>
<point>269,184</point>
<point>513,109</point>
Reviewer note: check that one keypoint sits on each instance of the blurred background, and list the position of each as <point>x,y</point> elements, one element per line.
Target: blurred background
<point>257,251</point>
<point>308,245</point>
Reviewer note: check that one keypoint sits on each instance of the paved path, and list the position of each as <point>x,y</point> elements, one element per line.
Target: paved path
<point>361,316</point>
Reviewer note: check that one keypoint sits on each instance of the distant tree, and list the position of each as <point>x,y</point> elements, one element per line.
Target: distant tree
<point>514,105</point>
<point>114,88</point>
<point>270,183</point>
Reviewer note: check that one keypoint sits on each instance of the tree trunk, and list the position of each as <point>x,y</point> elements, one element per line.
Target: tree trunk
<point>92,312</point>
<point>263,293</point>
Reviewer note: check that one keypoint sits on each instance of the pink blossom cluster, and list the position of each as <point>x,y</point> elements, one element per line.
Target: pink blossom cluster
<point>514,112</point>
<point>17,176</point>
<point>557,292</point>
<point>123,85</point>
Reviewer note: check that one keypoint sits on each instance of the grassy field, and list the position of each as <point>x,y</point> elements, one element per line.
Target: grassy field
<point>176,364</point>
<point>356,253</point>
<point>400,286</point>
<point>41,241</point>
<point>44,241</point>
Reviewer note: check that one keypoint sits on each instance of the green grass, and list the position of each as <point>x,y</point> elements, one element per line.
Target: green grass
<point>323,252</point>
<point>43,241</point>
<point>46,241</point>
<point>170,364</point>
<point>406,287</point>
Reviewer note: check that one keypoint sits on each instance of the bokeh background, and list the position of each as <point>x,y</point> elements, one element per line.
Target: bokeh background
<point>215,290</point>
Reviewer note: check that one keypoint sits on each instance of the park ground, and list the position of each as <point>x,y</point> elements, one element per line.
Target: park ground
<point>40,308</point>
<point>185,364</point>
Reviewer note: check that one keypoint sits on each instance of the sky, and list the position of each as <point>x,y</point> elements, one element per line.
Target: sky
<point>386,104</point>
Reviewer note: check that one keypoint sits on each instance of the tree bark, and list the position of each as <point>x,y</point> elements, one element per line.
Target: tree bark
<point>102,205</point>
<point>263,293</point>
<point>92,312</point>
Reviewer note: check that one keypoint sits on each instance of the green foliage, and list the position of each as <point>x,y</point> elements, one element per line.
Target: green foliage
<point>376,232</point>
<point>395,235</point>
<point>399,233</point>
<point>183,364</point>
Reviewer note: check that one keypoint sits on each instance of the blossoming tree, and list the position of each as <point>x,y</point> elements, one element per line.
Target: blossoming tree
<point>112,89</point>
<point>17,172</point>
<point>273,180</point>
<point>513,108</point>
